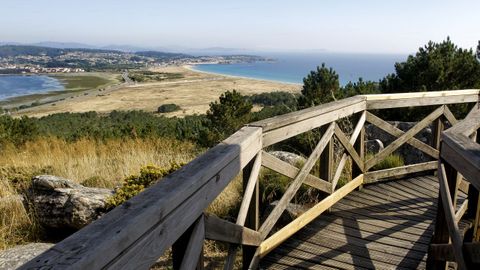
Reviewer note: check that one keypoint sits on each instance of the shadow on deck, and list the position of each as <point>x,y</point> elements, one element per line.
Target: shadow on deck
<point>382,226</point>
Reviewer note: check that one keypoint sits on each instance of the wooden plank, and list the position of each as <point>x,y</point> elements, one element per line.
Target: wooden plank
<point>375,176</point>
<point>195,246</point>
<point>449,115</point>
<point>437,129</point>
<point>445,252</point>
<point>402,139</point>
<point>346,144</point>
<point>138,223</point>
<point>470,124</point>
<point>450,216</point>
<point>392,130</point>
<point>358,131</point>
<point>326,160</point>
<point>461,211</point>
<point>294,226</point>
<point>327,243</point>
<point>462,154</point>
<point>414,99</point>
<point>252,221</point>
<point>249,190</point>
<point>296,183</point>
<point>228,232</point>
<point>301,115</point>
<point>287,131</point>
<point>284,168</point>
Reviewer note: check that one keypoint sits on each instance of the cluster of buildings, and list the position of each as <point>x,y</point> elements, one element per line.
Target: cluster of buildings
<point>24,69</point>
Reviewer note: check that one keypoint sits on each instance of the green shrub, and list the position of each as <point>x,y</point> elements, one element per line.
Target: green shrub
<point>166,108</point>
<point>135,184</point>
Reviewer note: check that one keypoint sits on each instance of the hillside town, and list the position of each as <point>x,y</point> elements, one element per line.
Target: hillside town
<point>32,59</point>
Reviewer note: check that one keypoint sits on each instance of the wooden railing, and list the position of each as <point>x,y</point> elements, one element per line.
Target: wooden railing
<point>458,171</point>
<point>171,213</point>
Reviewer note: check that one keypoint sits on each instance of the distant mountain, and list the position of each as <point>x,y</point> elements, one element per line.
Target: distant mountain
<point>63,45</point>
<point>125,48</point>
<point>162,55</point>
<point>16,50</point>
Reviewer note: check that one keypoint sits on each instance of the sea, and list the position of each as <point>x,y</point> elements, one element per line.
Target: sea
<point>293,67</point>
<point>284,67</point>
<point>20,85</point>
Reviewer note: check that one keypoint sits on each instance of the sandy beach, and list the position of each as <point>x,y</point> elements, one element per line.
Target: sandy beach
<point>193,93</point>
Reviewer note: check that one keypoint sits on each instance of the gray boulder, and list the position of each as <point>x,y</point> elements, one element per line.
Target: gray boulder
<point>17,256</point>
<point>62,204</point>
<point>291,158</point>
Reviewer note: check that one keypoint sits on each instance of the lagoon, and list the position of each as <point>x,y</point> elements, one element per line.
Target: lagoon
<point>19,85</point>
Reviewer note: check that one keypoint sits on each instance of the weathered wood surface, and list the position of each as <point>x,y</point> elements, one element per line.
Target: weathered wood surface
<point>412,99</point>
<point>284,168</point>
<point>282,127</point>
<point>384,225</point>
<point>403,138</point>
<point>225,231</point>
<point>392,130</point>
<point>460,151</point>
<point>385,174</point>
<point>137,233</point>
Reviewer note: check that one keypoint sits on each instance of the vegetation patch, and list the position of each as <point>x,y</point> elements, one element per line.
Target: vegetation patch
<point>82,82</point>
<point>151,76</point>
<point>391,161</point>
<point>166,108</point>
<point>135,184</point>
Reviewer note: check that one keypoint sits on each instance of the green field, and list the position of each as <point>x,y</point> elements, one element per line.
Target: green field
<point>85,82</point>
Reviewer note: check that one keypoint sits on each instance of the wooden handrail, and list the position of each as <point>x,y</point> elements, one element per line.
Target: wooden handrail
<point>461,156</point>
<point>135,234</point>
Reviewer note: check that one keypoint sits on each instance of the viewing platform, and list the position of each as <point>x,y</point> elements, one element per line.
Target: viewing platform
<point>416,216</point>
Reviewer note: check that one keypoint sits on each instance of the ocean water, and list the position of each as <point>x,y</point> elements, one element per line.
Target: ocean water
<point>19,85</point>
<point>292,68</point>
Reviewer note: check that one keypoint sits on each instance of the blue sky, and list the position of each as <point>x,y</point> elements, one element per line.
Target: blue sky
<point>373,26</point>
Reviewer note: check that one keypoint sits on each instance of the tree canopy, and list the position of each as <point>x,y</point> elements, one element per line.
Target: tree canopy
<point>436,66</point>
<point>320,86</point>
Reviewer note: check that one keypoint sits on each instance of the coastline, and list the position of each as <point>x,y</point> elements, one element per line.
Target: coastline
<point>192,68</point>
<point>193,93</point>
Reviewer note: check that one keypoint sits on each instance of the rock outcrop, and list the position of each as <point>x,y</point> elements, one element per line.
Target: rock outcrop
<point>17,256</point>
<point>291,158</point>
<point>62,204</point>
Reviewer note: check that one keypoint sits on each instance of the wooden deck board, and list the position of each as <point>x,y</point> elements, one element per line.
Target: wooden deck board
<point>383,226</point>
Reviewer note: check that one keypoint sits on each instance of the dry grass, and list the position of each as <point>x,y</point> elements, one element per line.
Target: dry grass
<point>99,164</point>
<point>193,93</point>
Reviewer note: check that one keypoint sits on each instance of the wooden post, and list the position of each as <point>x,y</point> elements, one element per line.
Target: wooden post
<point>437,132</point>
<point>473,210</point>
<point>326,159</point>
<point>252,221</point>
<point>441,234</point>
<point>359,146</point>
<point>180,246</point>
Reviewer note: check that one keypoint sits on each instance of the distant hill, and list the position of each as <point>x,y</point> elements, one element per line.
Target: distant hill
<point>17,50</point>
<point>162,55</point>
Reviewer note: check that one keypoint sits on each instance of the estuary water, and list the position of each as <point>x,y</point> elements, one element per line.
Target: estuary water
<point>293,67</point>
<point>20,85</point>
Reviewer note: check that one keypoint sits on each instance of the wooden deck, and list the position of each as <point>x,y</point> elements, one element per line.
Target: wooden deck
<point>383,226</point>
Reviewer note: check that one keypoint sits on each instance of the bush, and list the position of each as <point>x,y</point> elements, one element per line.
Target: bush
<point>166,108</point>
<point>135,184</point>
<point>390,161</point>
